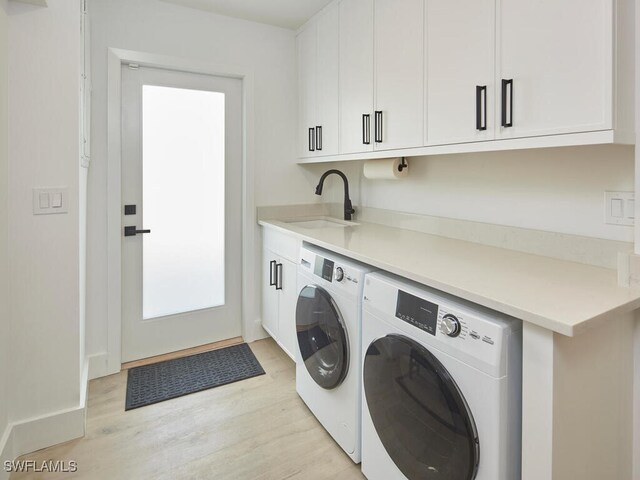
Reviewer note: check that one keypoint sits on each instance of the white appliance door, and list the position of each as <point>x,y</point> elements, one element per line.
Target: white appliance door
<point>181,192</point>
<point>322,337</point>
<point>418,411</point>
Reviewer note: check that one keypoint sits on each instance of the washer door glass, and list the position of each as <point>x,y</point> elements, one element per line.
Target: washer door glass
<point>419,412</point>
<point>322,337</point>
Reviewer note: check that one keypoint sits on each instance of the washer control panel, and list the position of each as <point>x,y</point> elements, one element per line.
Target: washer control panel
<point>450,325</point>
<point>417,311</point>
<point>469,332</point>
<point>324,268</point>
<point>444,320</point>
<point>333,272</point>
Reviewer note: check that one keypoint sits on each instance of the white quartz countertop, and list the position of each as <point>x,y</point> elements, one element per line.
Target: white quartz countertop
<point>562,296</point>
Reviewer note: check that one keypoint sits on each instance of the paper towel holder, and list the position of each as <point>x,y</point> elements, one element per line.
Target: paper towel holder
<point>403,165</point>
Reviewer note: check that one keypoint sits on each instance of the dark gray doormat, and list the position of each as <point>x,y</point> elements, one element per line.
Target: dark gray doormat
<point>181,376</point>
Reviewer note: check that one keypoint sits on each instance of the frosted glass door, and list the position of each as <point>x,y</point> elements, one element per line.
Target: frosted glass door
<point>182,185</point>
<point>183,197</point>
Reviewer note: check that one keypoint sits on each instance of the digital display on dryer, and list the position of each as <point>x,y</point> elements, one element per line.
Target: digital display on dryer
<point>417,312</point>
<point>324,268</point>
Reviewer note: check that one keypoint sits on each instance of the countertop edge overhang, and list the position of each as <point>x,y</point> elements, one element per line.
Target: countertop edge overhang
<point>562,296</point>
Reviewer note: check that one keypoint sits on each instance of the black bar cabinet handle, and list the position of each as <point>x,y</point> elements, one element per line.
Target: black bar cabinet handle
<point>366,132</point>
<point>481,107</point>
<point>272,280</point>
<point>312,140</point>
<point>378,125</point>
<point>507,84</point>
<point>318,138</point>
<point>133,231</point>
<point>279,276</point>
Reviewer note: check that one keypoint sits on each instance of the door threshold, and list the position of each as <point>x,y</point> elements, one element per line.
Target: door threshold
<point>182,353</point>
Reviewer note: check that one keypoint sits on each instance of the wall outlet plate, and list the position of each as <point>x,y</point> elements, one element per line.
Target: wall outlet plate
<point>619,208</point>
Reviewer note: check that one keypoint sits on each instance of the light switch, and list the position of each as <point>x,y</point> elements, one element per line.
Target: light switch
<point>44,200</point>
<point>47,201</point>
<point>616,207</point>
<point>56,200</point>
<point>630,209</point>
<point>619,208</point>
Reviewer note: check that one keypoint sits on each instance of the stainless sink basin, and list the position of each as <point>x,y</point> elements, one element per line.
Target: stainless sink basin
<point>324,222</point>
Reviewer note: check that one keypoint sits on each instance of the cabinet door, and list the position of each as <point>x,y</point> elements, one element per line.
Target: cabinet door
<point>328,82</point>
<point>288,300</point>
<point>356,76</point>
<point>399,73</point>
<point>559,56</point>
<point>307,90</point>
<point>270,313</point>
<point>460,45</point>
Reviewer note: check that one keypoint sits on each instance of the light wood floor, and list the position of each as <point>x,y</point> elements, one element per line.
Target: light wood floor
<point>253,429</point>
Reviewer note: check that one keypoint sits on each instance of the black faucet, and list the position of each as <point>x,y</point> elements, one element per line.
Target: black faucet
<point>348,208</point>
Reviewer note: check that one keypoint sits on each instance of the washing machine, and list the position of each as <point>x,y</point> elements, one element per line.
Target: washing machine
<point>328,320</point>
<point>442,386</point>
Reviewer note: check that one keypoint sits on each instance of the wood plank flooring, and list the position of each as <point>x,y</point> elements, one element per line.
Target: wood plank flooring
<point>254,429</point>
<point>182,353</point>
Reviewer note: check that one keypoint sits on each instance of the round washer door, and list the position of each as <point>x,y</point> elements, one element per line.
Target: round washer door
<point>322,337</point>
<point>418,411</point>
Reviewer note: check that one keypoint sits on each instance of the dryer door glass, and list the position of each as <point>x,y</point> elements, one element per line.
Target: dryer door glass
<point>418,411</point>
<point>322,337</point>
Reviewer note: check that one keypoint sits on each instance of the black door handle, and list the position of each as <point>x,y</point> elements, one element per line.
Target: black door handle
<point>279,276</point>
<point>378,136</point>
<point>319,138</point>
<point>507,84</point>
<point>312,140</point>
<point>272,281</point>
<point>481,107</point>
<point>366,129</point>
<point>132,231</point>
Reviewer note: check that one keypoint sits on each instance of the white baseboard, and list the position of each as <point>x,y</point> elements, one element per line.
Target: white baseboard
<point>45,431</point>
<point>98,365</point>
<point>36,433</point>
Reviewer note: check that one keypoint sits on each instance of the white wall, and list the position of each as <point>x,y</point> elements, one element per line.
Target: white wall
<point>557,190</point>
<point>161,28</point>
<point>4,264</point>
<point>44,265</point>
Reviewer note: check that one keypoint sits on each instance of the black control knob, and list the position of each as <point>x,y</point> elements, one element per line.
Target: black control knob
<point>339,274</point>
<point>450,325</point>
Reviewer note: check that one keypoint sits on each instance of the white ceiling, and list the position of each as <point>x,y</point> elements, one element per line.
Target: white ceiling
<point>281,13</point>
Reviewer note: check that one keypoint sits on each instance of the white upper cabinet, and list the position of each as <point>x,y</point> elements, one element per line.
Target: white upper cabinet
<point>381,78</point>
<point>356,76</point>
<point>554,67</point>
<point>318,77</point>
<point>398,120</point>
<point>307,80</point>
<point>328,84</point>
<point>460,69</point>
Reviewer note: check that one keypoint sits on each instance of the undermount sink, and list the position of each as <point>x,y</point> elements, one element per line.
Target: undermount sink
<point>321,223</point>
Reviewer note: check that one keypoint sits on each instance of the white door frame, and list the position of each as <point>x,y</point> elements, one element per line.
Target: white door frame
<point>116,57</point>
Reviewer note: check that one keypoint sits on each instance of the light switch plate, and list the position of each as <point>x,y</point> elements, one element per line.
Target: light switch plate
<point>49,201</point>
<point>619,208</point>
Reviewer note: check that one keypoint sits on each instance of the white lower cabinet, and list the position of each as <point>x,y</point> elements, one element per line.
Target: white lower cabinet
<point>279,289</point>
